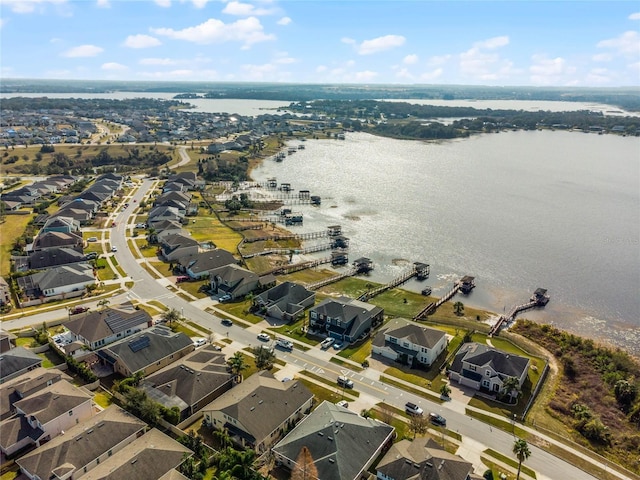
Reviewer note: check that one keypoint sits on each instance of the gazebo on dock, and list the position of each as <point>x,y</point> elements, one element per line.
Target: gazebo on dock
<point>363,265</point>
<point>467,283</point>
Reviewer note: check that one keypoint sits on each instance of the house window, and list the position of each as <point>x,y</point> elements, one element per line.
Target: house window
<point>70,413</point>
<point>485,383</point>
<point>393,340</point>
<point>472,368</point>
<point>110,452</point>
<point>406,344</point>
<point>488,373</point>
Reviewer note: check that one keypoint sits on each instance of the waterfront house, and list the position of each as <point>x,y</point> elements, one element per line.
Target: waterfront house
<point>192,382</point>
<point>409,343</point>
<point>146,352</point>
<point>344,318</point>
<point>43,415</point>
<point>83,446</point>
<point>257,411</point>
<point>486,368</point>
<point>285,301</point>
<point>342,443</point>
<point>102,327</point>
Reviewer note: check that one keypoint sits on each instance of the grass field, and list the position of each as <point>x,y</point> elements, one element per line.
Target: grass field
<point>11,228</point>
<point>208,227</point>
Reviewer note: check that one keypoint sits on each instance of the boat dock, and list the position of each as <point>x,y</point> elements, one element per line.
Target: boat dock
<point>467,283</point>
<point>297,236</point>
<point>360,266</point>
<point>418,269</point>
<point>336,258</point>
<point>539,299</point>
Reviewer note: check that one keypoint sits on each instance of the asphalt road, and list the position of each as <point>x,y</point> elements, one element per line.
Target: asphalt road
<point>148,288</point>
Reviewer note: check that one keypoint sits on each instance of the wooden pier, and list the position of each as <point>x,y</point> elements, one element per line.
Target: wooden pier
<point>335,259</point>
<point>349,273</point>
<point>295,251</point>
<point>538,299</point>
<point>433,306</point>
<point>413,272</point>
<point>296,236</point>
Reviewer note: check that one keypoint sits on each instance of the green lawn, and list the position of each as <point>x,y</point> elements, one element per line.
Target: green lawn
<point>11,227</point>
<point>509,461</point>
<point>321,393</point>
<point>194,288</point>
<point>357,354</point>
<point>294,330</point>
<point>104,273</point>
<point>148,251</point>
<point>332,383</point>
<point>162,267</point>
<point>103,398</point>
<point>208,227</point>
<point>240,309</point>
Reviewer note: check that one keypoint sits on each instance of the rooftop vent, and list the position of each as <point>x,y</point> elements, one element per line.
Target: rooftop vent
<point>330,439</point>
<point>260,402</point>
<point>331,460</point>
<point>321,434</point>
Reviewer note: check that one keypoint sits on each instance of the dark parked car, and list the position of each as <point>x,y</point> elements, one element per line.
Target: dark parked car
<point>437,419</point>
<point>226,322</point>
<point>76,310</point>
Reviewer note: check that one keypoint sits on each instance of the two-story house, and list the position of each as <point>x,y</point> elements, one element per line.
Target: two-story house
<point>286,301</point>
<point>344,318</point>
<point>236,281</point>
<point>44,415</point>
<point>486,368</point>
<point>257,411</point>
<point>409,343</point>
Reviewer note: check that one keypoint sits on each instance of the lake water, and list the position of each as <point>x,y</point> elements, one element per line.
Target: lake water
<point>516,210</point>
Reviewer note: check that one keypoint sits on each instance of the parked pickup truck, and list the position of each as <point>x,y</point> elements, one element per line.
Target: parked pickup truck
<point>285,344</point>
<point>326,343</point>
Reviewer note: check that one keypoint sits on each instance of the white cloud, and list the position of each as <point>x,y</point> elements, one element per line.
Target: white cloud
<point>602,57</point>
<point>410,59</point>
<point>380,44</point>
<point>598,76</point>
<point>113,67</point>
<point>284,21</point>
<point>438,60</point>
<point>200,3</point>
<point>432,75</point>
<point>103,4</point>
<point>158,61</point>
<point>247,30</point>
<point>245,9</point>
<point>141,41</point>
<point>405,74</point>
<point>3,22</point>
<point>492,43</point>
<point>83,51</point>
<point>283,58</point>
<point>634,16</point>
<point>163,3</point>
<point>30,6</point>
<point>321,68</point>
<point>550,71</point>
<point>348,41</point>
<point>365,76</point>
<point>626,44</point>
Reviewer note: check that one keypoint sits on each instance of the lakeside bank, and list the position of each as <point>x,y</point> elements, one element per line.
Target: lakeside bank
<point>476,207</point>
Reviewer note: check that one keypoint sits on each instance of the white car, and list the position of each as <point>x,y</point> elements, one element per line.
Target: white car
<point>114,249</point>
<point>326,343</point>
<point>343,403</point>
<point>285,344</point>
<point>413,409</point>
<point>264,337</point>
<point>199,342</point>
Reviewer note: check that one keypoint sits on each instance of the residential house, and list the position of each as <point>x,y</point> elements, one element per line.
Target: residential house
<point>7,341</point>
<point>344,318</point>
<point>102,327</point>
<point>81,216</point>
<point>83,446</point>
<point>62,281</point>
<point>257,411</point>
<point>420,460</point>
<point>57,239</point>
<point>174,247</point>
<point>61,224</point>
<point>190,383</point>
<point>159,214</point>
<point>151,456</point>
<point>342,443</point>
<point>198,265</point>
<point>43,415</point>
<point>51,257</point>
<point>146,352</point>
<point>236,281</point>
<point>5,293</point>
<point>285,301</point>
<point>486,368</point>
<point>25,385</point>
<point>409,343</point>
<point>17,361</point>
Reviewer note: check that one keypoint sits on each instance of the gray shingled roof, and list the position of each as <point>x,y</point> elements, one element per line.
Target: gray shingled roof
<point>82,444</point>
<point>97,325</point>
<point>26,384</point>
<point>506,364</point>
<point>205,261</point>
<point>422,460</point>
<point>53,401</point>
<point>261,403</point>
<point>341,442</point>
<point>287,296</point>
<point>162,342</point>
<point>54,256</point>
<point>16,360</point>
<point>148,457</point>
<point>349,310</point>
<point>63,275</point>
<point>414,333</point>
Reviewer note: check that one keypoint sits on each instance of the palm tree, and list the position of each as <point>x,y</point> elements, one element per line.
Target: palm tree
<point>510,385</point>
<point>445,390</point>
<point>223,437</point>
<point>458,308</point>
<point>236,363</point>
<point>102,304</point>
<point>171,316</point>
<point>522,452</point>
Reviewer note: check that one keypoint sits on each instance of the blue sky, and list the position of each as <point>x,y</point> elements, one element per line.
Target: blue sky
<point>539,43</point>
